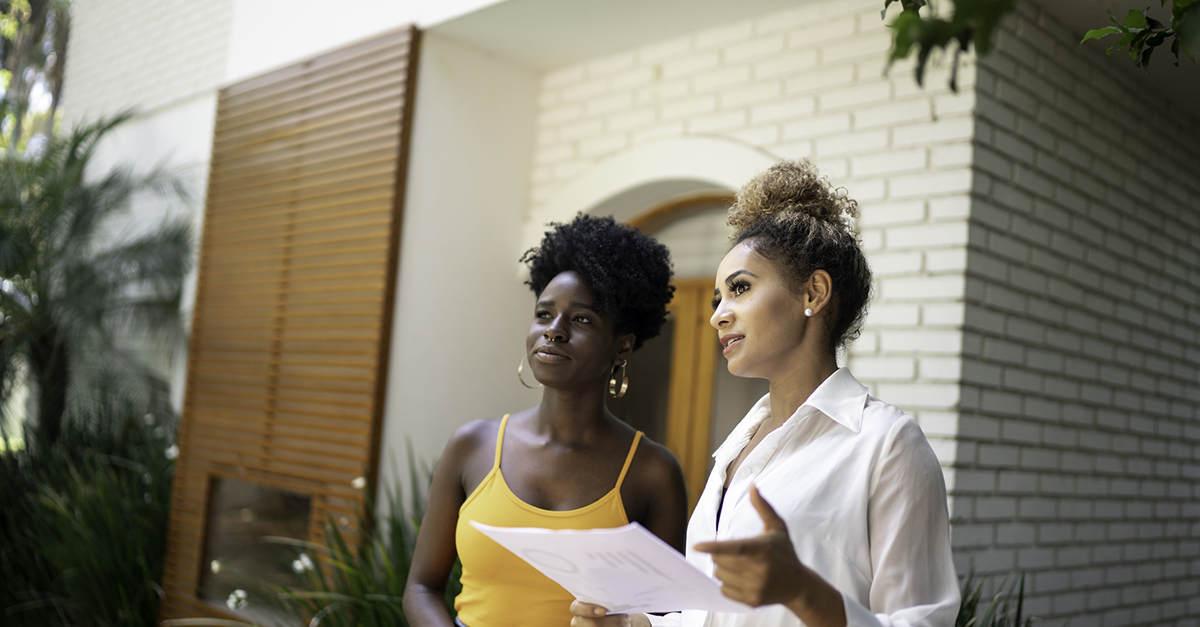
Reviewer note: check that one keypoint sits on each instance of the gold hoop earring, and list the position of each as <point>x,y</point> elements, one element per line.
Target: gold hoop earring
<point>612,382</point>
<point>520,368</point>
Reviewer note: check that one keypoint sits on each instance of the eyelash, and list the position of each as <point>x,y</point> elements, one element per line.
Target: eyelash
<point>544,315</point>
<point>737,287</point>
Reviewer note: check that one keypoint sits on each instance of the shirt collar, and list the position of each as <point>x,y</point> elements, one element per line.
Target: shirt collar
<point>841,397</point>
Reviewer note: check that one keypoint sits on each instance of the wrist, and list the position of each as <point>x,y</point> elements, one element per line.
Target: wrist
<point>816,602</point>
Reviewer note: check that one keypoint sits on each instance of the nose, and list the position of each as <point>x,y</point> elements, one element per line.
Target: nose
<point>721,316</point>
<point>555,332</point>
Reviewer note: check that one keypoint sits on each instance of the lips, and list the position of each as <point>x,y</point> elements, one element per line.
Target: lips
<point>549,355</point>
<point>729,340</point>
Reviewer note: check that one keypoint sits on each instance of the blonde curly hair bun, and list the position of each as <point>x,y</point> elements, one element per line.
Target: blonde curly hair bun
<point>792,187</point>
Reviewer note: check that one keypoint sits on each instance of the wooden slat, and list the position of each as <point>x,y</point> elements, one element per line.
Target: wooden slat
<point>290,330</point>
<point>285,257</point>
<point>283,219</point>
<point>356,161</point>
<point>319,125</point>
<point>267,113</point>
<point>297,203</point>
<point>347,60</point>
<point>300,106</point>
<point>353,149</point>
<point>286,245</point>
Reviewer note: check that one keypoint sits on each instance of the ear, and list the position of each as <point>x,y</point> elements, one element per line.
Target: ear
<point>624,344</point>
<point>819,291</point>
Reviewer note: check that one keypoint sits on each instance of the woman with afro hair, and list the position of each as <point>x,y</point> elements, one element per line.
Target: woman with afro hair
<point>826,506</point>
<point>601,291</point>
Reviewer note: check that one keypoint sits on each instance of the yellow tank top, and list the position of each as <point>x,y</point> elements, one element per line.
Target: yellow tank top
<point>499,588</point>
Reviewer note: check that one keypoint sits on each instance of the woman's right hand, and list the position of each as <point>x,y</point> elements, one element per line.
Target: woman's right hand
<point>588,615</point>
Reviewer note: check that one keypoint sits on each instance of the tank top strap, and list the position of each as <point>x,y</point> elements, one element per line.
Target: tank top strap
<point>628,459</point>
<point>500,440</point>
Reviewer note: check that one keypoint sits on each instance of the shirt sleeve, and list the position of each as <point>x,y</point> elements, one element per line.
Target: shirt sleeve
<point>674,619</point>
<point>914,581</point>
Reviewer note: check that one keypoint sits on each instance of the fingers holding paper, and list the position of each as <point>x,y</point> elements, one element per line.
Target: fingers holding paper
<point>589,615</point>
<point>760,570</point>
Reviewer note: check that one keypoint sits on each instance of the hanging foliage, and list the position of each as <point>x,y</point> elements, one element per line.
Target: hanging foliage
<point>1141,34</point>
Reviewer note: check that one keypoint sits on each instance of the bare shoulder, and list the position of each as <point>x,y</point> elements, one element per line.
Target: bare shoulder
<point>470,437</point>
<point>655,493</point>
<point>472,444</point>
<point>655,468</point>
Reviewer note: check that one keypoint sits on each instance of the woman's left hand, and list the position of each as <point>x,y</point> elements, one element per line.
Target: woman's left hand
<point>764,570</point>
<point>761,570</point>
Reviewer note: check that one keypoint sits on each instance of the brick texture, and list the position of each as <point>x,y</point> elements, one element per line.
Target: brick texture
<point>809,82</point>
<point>180,51</point>
<point>1078,424</point>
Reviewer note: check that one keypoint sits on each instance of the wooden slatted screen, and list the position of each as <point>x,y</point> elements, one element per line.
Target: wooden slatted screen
<point>291,326</point>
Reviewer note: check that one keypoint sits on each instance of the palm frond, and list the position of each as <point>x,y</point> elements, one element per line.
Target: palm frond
<point>74,286</point>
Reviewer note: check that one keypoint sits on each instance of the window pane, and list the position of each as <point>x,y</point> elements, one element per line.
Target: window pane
<point>241,515</point>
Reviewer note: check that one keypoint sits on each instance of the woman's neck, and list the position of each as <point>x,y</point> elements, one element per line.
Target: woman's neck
<point>792,387</point>
<point>572,417</point>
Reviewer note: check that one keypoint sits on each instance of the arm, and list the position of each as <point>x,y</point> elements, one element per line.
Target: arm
<point>914,581</point>
<point>663,494</point>
<point>433,559</point>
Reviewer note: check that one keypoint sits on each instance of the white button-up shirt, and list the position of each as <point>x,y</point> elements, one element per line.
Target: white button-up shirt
<point>864,501</point>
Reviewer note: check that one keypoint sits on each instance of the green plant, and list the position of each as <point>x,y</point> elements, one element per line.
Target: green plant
<point>971,22</point>
<point>1001,611</point>
<point>1141,34</point>
<point>66,299</point>
<point>83,526</point>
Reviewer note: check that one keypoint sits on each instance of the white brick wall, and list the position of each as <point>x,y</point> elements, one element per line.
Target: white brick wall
<point>1079,444</point>
<point>180,51</point>
<point>808,83</point>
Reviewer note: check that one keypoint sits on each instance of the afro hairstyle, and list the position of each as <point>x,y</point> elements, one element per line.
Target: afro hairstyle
<point>628,272</point>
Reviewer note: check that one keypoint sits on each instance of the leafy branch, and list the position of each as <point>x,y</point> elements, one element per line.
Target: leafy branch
<point>972,22</point>
<point>1141,34</point>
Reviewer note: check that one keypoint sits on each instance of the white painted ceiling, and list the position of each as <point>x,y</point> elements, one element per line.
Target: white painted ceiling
<point>546,34</point>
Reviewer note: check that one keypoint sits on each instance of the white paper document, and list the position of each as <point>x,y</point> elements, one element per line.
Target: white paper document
<point>624,569</point>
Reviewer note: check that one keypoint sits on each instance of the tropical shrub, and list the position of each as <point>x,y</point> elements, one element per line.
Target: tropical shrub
<point>68,294</point>
<point>1005,609</point>
<point>83,522</point>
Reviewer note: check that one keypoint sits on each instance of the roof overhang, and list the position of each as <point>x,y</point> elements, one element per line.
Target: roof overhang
<point>548,34</point>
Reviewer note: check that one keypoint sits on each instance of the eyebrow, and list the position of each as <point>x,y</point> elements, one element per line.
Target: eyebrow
<point>575,304</point>
<point>729,279</point>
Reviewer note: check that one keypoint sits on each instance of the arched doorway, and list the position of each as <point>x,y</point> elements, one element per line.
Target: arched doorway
<point>681,393</point>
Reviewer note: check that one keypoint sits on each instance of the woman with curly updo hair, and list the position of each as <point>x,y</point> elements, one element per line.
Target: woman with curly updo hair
<point>601,291</point>
<point>826,506</point>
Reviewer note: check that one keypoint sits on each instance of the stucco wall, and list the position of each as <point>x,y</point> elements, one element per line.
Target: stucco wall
<point>181,50</point>
<point>461,309</point>
<point>1078,451</point>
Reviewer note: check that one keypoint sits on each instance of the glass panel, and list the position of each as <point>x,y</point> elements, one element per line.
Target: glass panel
<point>732,398</point>
<point>241,515</point>
<point>644,405</point>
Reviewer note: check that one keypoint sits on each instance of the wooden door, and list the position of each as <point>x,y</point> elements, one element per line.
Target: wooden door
<point>693,358</point>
